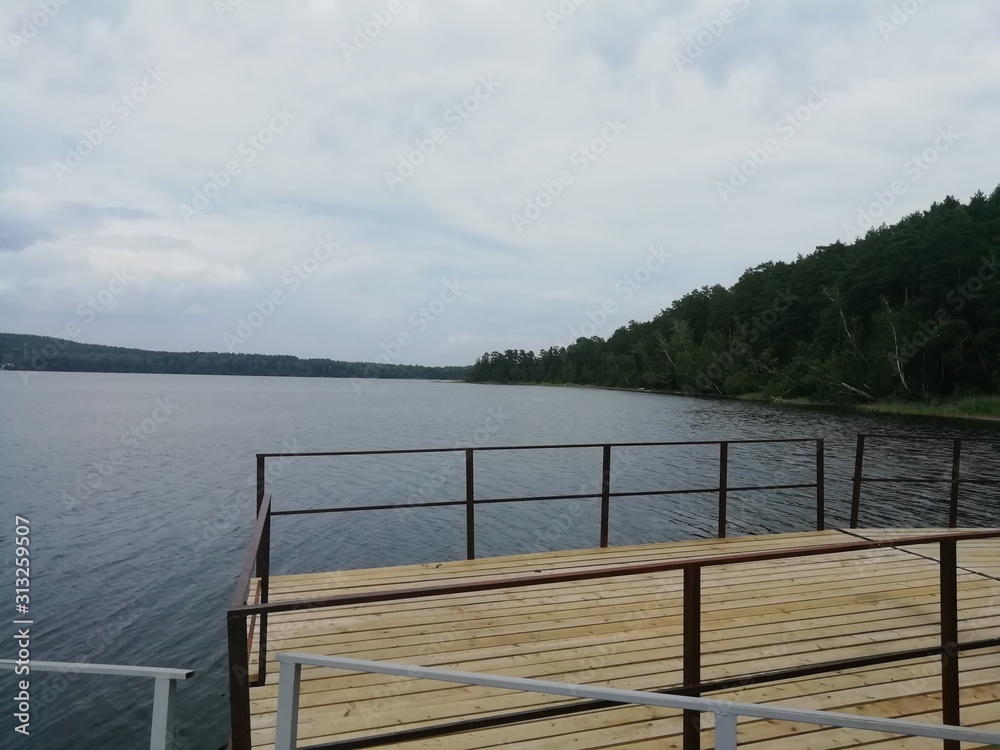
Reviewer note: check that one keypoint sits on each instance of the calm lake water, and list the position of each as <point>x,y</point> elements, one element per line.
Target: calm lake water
<point>139,570</point>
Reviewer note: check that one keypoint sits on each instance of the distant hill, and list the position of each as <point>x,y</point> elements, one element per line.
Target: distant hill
<point>908,311</point>
<point>43,353</point>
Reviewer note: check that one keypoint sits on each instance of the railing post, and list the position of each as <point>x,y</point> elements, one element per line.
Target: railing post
<point>162,734</point>
<point>287,726</point>
<point>692,652</point>
<point>470,505</point>
<point>605,494</point>
<point>260,480</point>
<point>820,485</point>
<point>239,684</point>
<point>859,459</point>
<point>264,573</point>
<point>723,486</point>
<point>725,731</point>
<point>951,704</point>
<point>956,462</point>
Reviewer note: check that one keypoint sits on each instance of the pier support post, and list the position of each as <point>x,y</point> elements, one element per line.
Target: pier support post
<point>239,683</point>
<point>692,652</point>
<point>264,573</point>
<point>951,702</point>
<point>859,459</point>
<point>164,698</point>
<point>820,485</point>
<point>723,486</point>
<point>605,494</point>
<point>287,720</point>
<point>260,480</point>
<point>470,505</point>
<point>956,471</point>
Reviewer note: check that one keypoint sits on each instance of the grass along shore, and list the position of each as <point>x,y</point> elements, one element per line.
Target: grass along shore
<point>960,407</point>
<point>969,407</point>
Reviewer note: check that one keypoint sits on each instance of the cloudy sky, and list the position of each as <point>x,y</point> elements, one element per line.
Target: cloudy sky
<point>326,178</point>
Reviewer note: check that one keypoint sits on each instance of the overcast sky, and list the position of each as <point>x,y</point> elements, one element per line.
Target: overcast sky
<point>324,178</point>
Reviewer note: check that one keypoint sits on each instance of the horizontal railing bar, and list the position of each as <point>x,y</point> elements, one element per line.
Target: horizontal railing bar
<point>949,480</point>
<point>605,572</point>
<point>354,508</point>
<point>963,438</point>
<point>119,670</point>
<point>636,697</point>
<point>243,582</point>
<point>531,498</point>
<point>495,500</point>
<point>403,451</point>
<point>695,491</point>
<point>750,488</point>
<point>441,504</point>
<point>568,709</point>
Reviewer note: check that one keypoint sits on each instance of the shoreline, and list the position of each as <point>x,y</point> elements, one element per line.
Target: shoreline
<point>947,409</point>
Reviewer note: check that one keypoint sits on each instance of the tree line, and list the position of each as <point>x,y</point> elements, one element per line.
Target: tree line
<point>41,353</point>
<point>908,311</point>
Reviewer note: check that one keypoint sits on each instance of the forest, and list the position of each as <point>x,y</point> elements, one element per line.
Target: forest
<point>41,353</point>
<point>909,311</point>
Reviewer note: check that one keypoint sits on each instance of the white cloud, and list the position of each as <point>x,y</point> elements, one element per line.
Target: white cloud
<point>323,173</point>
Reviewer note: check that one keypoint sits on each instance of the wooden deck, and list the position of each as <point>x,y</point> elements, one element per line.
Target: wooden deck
<point>626,633</point>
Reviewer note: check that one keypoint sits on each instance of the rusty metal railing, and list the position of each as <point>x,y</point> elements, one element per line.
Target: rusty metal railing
<point>955,481</point>
<point>242,624</point>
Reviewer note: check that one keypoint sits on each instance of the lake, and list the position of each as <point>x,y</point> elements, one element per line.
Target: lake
<point>137,567</point>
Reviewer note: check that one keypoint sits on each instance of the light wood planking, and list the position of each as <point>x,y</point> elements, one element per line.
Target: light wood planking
<point>626,632</point>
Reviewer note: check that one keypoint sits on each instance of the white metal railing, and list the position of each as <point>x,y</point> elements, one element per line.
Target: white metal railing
<point>726,712</point>
<point>164,692</point>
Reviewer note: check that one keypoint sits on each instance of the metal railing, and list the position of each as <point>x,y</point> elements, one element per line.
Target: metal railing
<point>948,651</point>
<point>726,712</point>
<point>470,501</point>
<point>161,735</point>
<point>955,481</point>
<point>258,556</point>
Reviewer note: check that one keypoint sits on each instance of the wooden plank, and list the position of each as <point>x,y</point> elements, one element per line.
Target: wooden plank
<point>626,632</point>
<point>636,656</point>
<point>426,621</point>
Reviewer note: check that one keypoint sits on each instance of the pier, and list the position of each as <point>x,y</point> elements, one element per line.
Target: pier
<point>878,623</point>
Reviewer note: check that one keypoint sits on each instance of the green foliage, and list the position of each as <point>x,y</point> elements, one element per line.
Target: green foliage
<point>24,352</point>
<point>910,312</point>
